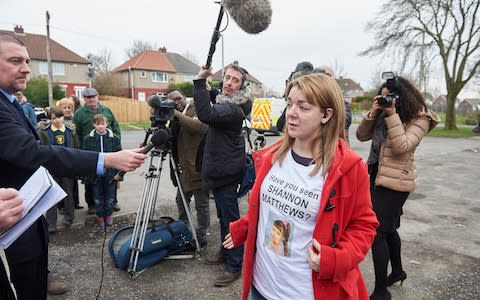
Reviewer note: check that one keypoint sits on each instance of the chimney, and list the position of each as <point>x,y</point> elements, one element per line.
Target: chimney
<point>163,50</point>
<point>18,30</point>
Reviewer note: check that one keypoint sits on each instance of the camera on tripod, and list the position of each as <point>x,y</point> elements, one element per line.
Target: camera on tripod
<point>392,86</point>
<point>162,109</point>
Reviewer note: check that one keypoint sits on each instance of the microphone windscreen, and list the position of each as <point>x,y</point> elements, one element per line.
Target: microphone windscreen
<point>159,138</point>
<point>253,16</point>
<point>154,101</point>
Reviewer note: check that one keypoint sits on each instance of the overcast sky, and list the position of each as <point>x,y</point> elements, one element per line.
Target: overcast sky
<point>320,31</point>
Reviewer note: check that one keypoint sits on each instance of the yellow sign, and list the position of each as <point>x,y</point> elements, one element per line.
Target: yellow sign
<point>261,111</point>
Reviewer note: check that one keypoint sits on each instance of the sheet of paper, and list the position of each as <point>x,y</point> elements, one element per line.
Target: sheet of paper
<point>40,193</point>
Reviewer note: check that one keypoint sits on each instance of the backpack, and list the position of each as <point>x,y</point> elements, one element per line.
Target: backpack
<point>249,176</point>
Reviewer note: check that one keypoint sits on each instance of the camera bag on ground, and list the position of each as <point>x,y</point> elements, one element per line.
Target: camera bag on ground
<point>167,237</point>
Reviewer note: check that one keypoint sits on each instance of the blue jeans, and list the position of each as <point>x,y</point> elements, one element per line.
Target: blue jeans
<point>227,211</point>
<point>103,194</point>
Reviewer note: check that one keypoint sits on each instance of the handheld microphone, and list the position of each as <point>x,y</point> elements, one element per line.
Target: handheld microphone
<point>158,139</point>
<point>252,16</point>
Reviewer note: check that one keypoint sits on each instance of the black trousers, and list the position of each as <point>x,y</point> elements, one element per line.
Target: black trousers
<point>30,278</point>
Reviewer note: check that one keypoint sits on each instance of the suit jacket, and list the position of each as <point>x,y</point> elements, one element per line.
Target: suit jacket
<point>20,156</point>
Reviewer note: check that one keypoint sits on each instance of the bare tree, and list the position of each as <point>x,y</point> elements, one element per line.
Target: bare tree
<point>445,30</point>
<point>138,47</point>
<point>101,62</point>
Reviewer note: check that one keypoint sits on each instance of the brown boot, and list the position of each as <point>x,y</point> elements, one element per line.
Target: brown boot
<point>226,278</point>
<point>216,259</point>
<point>56,287</point>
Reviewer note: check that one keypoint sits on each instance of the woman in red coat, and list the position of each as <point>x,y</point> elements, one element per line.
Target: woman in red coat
<point>312,196</point>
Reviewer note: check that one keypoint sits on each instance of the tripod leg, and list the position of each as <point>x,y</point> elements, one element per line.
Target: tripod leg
<point>144,213</point>
<point>185,205</point>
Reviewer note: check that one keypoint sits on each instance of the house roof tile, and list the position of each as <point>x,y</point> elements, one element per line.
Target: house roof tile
<point>152,60</point>
<point>181,64</point>
<point>348,84</point>
<point>37,48</point>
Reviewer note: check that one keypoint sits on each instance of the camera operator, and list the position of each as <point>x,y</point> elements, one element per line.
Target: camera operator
<point>224,156</point>
<point>396,124</point>
<point>186,133</point>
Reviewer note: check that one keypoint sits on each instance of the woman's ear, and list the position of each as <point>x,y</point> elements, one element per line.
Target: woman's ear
<point>327,114</point>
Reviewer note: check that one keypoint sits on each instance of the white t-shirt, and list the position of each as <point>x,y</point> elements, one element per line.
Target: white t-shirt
<point>289,203</point>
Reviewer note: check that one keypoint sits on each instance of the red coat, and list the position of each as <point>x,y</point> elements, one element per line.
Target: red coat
<point>347,186</point>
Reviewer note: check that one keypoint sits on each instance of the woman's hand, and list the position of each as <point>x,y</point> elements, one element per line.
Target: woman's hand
<point>314,254</point>
<point>392,109</point>
<point>376,108</point>
<point>228,242</point>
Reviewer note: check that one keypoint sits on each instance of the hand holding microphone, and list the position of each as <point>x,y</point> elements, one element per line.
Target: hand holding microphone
<point>131,160</point>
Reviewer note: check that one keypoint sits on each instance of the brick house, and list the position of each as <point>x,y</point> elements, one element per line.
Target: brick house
<point>440,104</point>
<point>152,70</point>
<point>350,88</point>
<point>70,70</point>
<point>468,106</point>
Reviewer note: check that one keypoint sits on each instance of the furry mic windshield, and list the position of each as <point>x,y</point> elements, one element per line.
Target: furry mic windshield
<point>253,16</point>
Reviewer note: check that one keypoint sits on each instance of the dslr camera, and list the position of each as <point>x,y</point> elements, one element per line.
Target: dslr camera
<point>162,109</point>
<point>392,86</point>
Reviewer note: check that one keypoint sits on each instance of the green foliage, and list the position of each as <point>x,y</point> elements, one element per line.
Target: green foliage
<point>37,91</point>
<point>461,132</point>
<point>185,87</point>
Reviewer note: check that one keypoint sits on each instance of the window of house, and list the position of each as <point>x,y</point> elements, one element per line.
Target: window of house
<point>143,74</point>
<point>159,77</point>
<point>57,68</point>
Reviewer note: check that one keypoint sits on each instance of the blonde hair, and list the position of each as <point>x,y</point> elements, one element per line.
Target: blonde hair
<point>324,92</point>
<point>66,101</point>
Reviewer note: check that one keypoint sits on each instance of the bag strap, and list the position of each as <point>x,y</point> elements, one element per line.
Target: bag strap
<point>247,135</point>
<point>3,260</point>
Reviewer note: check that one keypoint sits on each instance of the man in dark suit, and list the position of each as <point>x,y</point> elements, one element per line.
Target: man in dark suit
<point>21,154</point>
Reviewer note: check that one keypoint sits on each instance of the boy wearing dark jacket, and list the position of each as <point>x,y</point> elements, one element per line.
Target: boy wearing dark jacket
<point>102,139</point>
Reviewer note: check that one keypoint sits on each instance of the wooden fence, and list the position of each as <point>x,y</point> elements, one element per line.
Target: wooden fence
<point>127,110</point>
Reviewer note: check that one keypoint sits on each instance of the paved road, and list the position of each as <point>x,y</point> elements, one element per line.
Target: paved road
<point>440,234</point>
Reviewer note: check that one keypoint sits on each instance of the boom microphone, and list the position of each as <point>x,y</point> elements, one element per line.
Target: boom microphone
<point>158,139</point>
<point>253,16</point>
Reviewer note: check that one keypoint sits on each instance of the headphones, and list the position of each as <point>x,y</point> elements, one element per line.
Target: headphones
<point>244,73</point>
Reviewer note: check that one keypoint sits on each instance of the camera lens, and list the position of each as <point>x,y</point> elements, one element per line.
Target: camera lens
<point>385,101</point>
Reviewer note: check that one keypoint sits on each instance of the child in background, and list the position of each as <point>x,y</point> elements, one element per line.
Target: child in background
<point>102,139</point>
<point>57,133</point>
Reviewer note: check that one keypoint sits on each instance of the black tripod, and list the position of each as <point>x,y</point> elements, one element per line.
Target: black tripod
<point>146,209</point>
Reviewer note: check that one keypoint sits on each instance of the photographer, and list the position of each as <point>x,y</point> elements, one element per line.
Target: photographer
<point>224,156</point>
<point>397,122</point>
<point>187,132</point>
